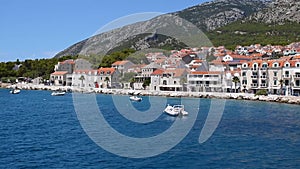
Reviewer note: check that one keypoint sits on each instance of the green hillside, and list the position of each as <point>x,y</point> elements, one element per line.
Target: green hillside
<point>247,33</point>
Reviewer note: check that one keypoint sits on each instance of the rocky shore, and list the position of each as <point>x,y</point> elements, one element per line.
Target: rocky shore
<point>237,96</point>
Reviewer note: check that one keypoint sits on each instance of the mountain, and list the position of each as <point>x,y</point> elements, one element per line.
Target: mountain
<point>225,22</point>
<point>277,24</point>
<point>211,15</point>
<point>279,12</point>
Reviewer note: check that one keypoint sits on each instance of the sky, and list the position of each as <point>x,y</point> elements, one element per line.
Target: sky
<point>35,29</point>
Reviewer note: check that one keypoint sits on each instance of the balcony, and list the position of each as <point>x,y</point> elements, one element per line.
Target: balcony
<point>263,76</point>
<point>254,77</point>
<point>263,85</point>
<point>286,76</point>
<point>254,69</point>
<point>297,76</point>
<point>264,69</point>
<point>254,85</point>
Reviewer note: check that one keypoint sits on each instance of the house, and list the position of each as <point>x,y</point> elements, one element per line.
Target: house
<point>206,81</point>
<point>108,78</point>
<point>168,79</point>
<point>59,78</point>
<point>84,78</point>
<point>145,75</point>
<point>82,64</point>
<point>123,66</point>
<point>281,76</point>
<point>67,65</point>
<point>102,77</point>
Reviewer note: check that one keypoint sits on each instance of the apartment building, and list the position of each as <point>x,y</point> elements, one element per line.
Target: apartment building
<point>280,76</point>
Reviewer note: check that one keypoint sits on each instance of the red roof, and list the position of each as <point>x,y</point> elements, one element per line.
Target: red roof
<point>158,72</point>
<point>70,61</point>
<point>120,62</point>
<point>59,73</point>
<point>106,70</point>
<point>206,73</point>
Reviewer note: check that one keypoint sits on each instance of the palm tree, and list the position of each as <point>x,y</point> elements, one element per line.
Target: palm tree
<point>281,85</point>
<point>82,79</point>
<point>132,81</point>
<point>235,80</point>
<point>106,80</point>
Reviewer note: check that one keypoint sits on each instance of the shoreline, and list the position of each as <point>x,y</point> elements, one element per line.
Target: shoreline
<point>234,96</point>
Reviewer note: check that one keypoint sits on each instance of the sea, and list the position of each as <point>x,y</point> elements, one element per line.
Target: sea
<point>38,130</point>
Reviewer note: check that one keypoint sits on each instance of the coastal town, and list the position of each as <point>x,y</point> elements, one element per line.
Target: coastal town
<point>247,69</point>
<point>255,69</point>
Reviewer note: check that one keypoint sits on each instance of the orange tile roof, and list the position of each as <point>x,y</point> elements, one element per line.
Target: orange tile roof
<point>158,72</point>
<point>205,73</point>
<point>70,61</point>
<point>160,61</point>
<point>60,73</point>
<point>106,70</point>
<point>176,72</point>
<point>297,57</point>
<point>194,66</point>
<point>198,61</point>
<point>120,62</point>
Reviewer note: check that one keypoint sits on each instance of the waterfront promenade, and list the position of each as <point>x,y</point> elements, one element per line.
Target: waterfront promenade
<point>218,95</point>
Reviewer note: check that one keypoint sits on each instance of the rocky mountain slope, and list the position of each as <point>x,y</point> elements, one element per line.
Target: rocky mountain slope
<point>208,17</point>
<point>279,12</point>
<point>215,14</point>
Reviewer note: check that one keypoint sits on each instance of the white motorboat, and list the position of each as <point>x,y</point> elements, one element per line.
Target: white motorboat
<point>58,93</point>
<point>176,110</point>
<point>15,91</point>
<point>135,98</point>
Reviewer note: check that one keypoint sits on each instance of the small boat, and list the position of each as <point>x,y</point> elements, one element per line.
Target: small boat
<point>135,98</point>
<point>176,110</point>
<point>58,93</point>
<point>15,91</point>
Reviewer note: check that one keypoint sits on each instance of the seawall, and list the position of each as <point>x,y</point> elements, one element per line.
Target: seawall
<point>237,96</point>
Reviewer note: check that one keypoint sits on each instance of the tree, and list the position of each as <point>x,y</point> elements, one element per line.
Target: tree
<point>281,85</point>
<point>82,79</point>
<point>107,81</point>
<point>146,83</point>
<point>235,80</point>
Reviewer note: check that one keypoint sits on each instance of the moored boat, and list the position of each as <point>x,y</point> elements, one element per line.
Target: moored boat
<point>135,98</point>
<point>15,91</point>
<point>176,110</point>
<point>58,93</point>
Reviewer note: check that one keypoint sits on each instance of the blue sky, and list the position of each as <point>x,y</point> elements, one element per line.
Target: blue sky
<point>34,29</point>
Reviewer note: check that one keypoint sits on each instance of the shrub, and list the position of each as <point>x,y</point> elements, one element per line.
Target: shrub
<point>261,92</point>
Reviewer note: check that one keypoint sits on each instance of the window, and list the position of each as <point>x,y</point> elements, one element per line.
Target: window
<point>275,82</point>
<point>286,82</point>
<point>287,73</point>
<point>298,65</point>
<point>275,74</point>
<point>297,83</point>
<point>265,65</point>
<point>244,82</point>
<point>255,66</point>
<point>175,82</point>
<point>275,65</point>
<point>164,82</point>
<point>287,65</point>
<point>244,74</point>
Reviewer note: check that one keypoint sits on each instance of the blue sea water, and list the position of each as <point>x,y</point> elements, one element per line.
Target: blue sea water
<point>38,130</point>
